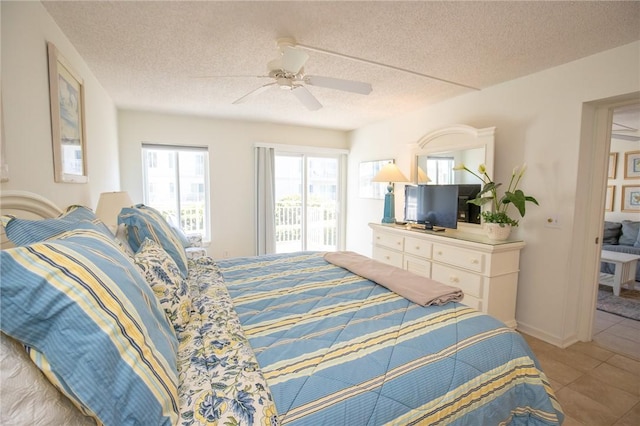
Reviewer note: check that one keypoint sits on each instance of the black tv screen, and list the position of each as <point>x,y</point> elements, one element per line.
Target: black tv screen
<point>432,205</point>
<point>468,212</point>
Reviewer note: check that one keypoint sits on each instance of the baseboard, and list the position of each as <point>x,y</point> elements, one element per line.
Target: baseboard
<point>546,337</point>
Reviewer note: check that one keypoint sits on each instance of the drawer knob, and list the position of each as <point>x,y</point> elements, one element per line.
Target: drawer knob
<point>475,261</point>
<point>417,247</point>
<point>398,242</point>
<point>387,257</point>
<point>454,279</point>
<point>439,253</point>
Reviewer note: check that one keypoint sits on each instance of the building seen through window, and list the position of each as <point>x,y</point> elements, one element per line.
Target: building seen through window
<point>176,183</point>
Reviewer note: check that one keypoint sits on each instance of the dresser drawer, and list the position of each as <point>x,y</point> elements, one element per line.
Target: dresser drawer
<point>389,240</point>
<point>417,265</point>
<point>417,247</point>
<point>390,257</point>
<point>472,302</point>
<point>467,259</point>
<point>468,282</point>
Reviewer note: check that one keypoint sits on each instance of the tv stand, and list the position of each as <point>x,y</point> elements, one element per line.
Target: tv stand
<point>426,227</point>
<point>421,226</point>
<point>486,271</point>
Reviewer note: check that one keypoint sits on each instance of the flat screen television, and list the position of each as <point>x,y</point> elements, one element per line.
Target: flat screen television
<point>432,205</point>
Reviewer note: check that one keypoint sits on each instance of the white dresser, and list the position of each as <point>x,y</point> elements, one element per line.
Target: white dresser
<point>486,271</point>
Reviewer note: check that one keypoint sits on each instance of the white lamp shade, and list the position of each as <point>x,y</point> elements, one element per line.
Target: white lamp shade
<point>390,173</point>
<point>422,176</point>
<point>109,206</point>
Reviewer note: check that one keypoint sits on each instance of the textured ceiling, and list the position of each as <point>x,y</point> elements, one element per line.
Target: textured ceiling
<point>152,55</point>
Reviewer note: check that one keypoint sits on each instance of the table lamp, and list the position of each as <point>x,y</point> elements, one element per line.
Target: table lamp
<point>389,173</point>
<point>422,176</point>
<point>109,206</point>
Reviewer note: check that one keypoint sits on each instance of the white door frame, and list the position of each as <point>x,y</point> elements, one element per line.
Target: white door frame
<point>595,143</point>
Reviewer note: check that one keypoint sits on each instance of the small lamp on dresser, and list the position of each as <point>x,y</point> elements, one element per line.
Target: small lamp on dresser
<point>391,174</point>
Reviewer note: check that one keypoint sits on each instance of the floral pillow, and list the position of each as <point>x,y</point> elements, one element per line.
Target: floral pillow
<point>163,275</point>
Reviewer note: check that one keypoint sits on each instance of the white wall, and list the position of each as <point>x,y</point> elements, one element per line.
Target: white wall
<point>538,121</point>
<point>231,163</point>
<point>26,28</point>
<point>620,146</point>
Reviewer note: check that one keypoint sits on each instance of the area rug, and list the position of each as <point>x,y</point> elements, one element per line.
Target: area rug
<point>626,305</point>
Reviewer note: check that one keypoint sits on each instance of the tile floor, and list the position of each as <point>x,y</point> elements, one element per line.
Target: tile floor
<point>597,383</point>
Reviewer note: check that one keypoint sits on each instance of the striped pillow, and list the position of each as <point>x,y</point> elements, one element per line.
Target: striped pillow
<point>24,231</point>
<point>105,340</point>
<point>146,222</point>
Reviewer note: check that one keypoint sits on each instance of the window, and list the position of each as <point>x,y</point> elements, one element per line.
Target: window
<point>152,160</point>
<point>307,196</point>
<point>176,183</point>
<point>440,170</point>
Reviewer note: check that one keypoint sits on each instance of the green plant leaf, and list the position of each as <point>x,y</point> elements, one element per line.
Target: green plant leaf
<point>498,217</point>
<point>479,201</point>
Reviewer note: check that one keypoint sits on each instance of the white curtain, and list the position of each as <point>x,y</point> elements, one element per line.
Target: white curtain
<point>265,200</point>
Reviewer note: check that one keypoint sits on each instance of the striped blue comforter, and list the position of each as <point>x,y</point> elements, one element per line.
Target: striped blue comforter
<point>337,349</point>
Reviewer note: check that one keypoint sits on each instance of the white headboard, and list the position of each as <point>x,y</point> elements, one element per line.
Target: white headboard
<point>25,205</point>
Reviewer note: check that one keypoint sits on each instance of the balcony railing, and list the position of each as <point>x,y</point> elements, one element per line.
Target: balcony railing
<point>322,228</point>
<point>321,224</point>
<point>191,217</point>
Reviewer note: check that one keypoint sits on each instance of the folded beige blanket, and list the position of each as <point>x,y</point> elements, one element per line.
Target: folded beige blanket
<point>421,290</point>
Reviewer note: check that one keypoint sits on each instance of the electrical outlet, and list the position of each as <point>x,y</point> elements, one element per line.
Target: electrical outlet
<point>552,221</point>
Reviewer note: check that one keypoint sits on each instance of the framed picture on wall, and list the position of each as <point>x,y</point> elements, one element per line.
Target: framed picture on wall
<point>613,162</point>
<point>369,189</point>
<point>608,200</point>
<point>632,165</point>
<point>66,95</point>
<point>631,198</point>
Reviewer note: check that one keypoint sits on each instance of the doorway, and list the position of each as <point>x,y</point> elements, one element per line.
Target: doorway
<point>307,202</point>
<point>617,317</point>
<point>593,178</point>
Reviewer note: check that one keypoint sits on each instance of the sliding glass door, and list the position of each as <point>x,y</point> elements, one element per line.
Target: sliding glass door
<point>307,190</point>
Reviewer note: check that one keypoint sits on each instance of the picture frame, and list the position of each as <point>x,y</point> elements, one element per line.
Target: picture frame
<point>68,132</point>
<point>632,165</point>
<point>608,201</point>
<point>613,163</point>
<point>630,198</point>
<point>367,171</point>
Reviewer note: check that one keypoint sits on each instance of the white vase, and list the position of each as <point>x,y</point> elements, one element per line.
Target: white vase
<point>497,231</point>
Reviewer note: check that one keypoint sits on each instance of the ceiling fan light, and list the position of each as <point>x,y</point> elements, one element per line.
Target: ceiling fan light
<point>274,64</point>
<point>284,83</point>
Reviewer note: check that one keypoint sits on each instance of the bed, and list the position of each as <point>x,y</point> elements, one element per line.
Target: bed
<point>277,339</point>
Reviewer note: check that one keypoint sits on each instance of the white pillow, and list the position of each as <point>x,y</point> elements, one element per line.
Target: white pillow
<point>27,397</point>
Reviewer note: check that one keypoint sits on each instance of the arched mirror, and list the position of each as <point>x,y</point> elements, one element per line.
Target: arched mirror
<point>435,154</point>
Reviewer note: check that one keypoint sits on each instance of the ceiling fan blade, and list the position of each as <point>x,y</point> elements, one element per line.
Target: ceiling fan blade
<point>339,84</point>
<point>307,99</point>
<point>208,77</point>
<point>625,137</point>
<point>253,93</point>
<point>293,59</point>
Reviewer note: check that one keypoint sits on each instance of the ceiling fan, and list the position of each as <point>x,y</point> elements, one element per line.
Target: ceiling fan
<point>626,123</point>
<point>624,132</point>
<point>287,73</point>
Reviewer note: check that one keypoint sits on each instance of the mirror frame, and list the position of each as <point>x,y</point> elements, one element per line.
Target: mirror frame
<point>455,138</point>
